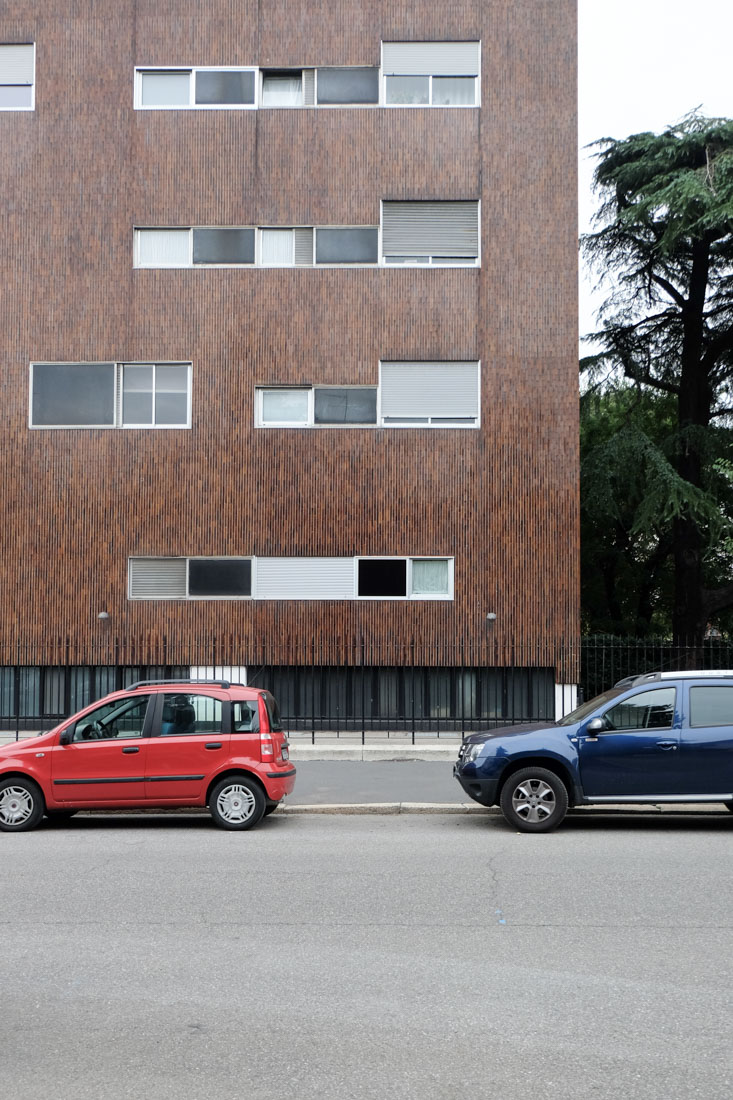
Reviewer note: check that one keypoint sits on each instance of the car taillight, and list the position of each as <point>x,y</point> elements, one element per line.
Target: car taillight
<point>267,749</point>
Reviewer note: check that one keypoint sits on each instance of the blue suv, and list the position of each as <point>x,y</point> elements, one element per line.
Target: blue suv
<point>660,737</point>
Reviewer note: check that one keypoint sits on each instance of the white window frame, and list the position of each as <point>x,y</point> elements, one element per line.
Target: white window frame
<point>32,106</point>
<point>260,421</point>
<point>429,423</point>
<point>117,424</point>
<point>253,596</point>
<point>438,261</point>
<point>140,70</point>
<point>449,596</point>
<point>188,558</point>
<point>429,105</point>
<point>138,229</point>
<point>269,70</point>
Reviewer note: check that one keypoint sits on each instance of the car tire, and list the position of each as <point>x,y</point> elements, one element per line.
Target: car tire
<point>21,805</point>
<point>270,808</point>
<point>236,803</point>
<point>729,806</point>
<point>534,800</point>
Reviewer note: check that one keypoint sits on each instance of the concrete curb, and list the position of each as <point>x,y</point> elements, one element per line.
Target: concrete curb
<point>387,808</point>
<point>373,753</point>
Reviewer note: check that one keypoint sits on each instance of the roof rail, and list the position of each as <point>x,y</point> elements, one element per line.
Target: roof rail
<point>684,674</point>
<point>212,683</point>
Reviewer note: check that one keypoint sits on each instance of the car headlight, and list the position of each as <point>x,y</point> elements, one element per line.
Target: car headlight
<point>472,752</point>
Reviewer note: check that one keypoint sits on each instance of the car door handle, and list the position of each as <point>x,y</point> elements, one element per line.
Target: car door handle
<point>129,750</point>
<point>213,745</point>
<point>667,744</point>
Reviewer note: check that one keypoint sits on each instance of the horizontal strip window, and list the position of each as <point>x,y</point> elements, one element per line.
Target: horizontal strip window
<point>241,246</point>
<point>189,578</point>
<point>190,88</point>
<point>316,406</point>
<point>17,77</point>
<point>367,578</point>
<point>444,233</point>
<point>410,395</point>
<point>110,395</point>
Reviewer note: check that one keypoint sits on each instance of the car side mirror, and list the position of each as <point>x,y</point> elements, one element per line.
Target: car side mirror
<point>596,725</point>
<point>65,737</point>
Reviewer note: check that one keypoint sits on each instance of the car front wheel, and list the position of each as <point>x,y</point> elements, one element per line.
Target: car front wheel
<point>21,805</point>
<point>236,803</point>
<point>534,800</point>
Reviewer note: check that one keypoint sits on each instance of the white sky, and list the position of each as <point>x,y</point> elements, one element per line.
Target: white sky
<point>643,65</point>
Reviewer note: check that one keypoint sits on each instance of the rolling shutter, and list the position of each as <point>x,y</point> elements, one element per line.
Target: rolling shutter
<point>303,246</point>
<point>16,64</point>
<point>432,58</point>
<point>305,579</point>
<point>309,87</point>
<point>158,578</point>
<point>443,390</point>
<point>430,229</point>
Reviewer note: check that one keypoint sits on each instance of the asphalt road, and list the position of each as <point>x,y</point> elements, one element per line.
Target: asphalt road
<point>367,957</point>
<point>342,781</point>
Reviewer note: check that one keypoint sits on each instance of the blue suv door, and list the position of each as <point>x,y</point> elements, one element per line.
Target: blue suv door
<point>706,751</point>
<point>639,752</point>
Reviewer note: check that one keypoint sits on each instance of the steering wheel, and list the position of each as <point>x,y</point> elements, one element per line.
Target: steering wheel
<point>95,731</point>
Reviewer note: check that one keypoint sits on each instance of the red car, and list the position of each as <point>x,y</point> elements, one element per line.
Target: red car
<point>156,744</point>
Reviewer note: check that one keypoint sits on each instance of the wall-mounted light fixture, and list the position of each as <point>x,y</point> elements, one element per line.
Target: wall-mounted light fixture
<point>491,616</point>
<point>103,615</point>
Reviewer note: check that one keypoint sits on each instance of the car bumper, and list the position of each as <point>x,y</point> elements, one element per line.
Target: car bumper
<point>279,783</point>
<point>480,790</point>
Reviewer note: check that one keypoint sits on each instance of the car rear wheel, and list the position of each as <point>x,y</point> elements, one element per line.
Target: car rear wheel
<point>21,805</point>
<point>236,803</point>
<point>270,808</point>
<point>534,800</point>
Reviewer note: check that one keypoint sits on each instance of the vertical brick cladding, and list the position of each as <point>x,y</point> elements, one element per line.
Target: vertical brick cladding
<point>82,169</point>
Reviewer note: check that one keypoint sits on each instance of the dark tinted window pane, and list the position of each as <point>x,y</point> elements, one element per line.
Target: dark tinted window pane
<point>382,577</point>
<point>230,87</point>
<point>73,393</point>
<point>223,246</point>
<point>219,577</point>
<point>711,706</point>
<point>347,246</point>
<point>348,85</point>
<point>344,405</point>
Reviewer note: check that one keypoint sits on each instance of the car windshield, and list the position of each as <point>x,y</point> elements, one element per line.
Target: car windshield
<point>584,709</point>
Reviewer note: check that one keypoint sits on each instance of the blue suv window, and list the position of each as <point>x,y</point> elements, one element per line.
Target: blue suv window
<point>711,706</point>
<point>648,710</point>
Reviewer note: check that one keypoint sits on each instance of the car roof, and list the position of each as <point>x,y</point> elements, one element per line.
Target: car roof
<point>225,685</point>
<point>657,677</point>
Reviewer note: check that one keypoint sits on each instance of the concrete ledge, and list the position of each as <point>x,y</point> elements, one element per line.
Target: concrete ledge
<point>386,808</point>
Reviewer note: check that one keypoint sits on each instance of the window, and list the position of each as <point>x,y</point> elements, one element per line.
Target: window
<point>17,77</point>
<point>110,395</point>
<point>445,233</point>
<point>245,716</point>
<point>190,714</point>
<point>429,395</point>
<point>163,247</point>
<point>189,578</point>
<point>711,706</point>
<point>355,245</point>
<point>648,710</point>
<point>405,578</point>
<point>308,406</point>
<point>430,74</point>
<point>348,578</point>
<point>277,247</point>
<point>223,246</point>
<point>347,86</point>
<point>122,718</point>
<point>190,88</point>
<point>282,88</point>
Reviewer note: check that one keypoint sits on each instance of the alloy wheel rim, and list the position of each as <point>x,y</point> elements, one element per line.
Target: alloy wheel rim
<point>236,803</point>
<point>534,800</point>
<point>16,805</point>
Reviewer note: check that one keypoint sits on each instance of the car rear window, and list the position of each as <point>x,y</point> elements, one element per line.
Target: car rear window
<point>711,706</point>
<point>273,712</point>
<point>245,716</point>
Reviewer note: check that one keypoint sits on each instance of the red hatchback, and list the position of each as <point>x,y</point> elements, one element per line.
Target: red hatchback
<point>156,744</point>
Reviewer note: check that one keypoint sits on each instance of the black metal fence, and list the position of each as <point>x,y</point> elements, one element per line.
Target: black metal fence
<point>405,690</point>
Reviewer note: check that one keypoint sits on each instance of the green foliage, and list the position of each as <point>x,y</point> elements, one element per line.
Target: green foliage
<point>657,412</point>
